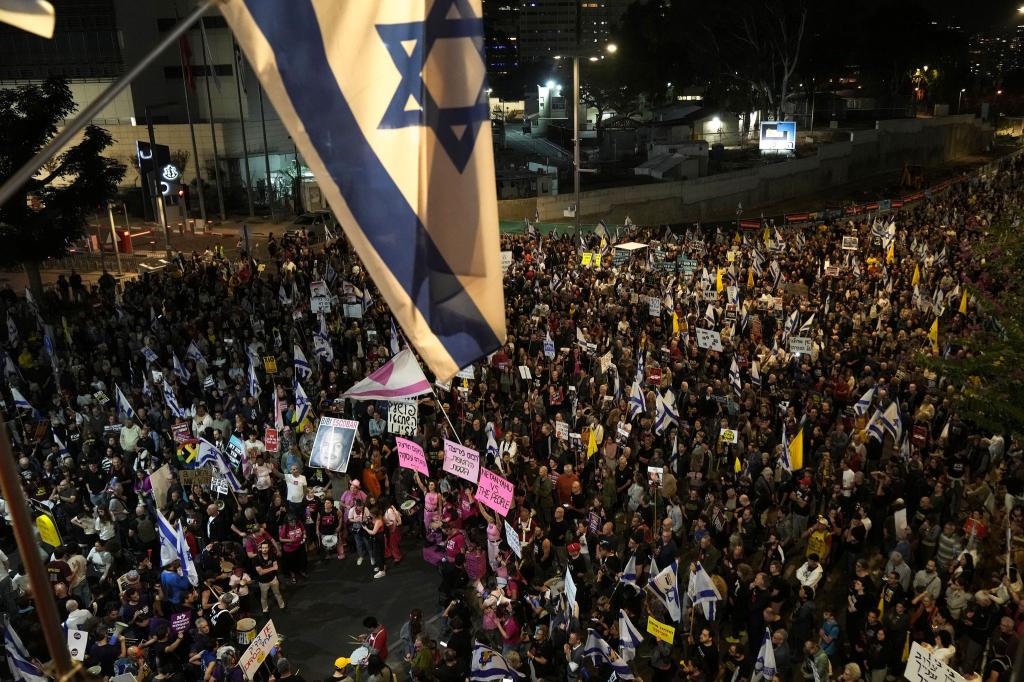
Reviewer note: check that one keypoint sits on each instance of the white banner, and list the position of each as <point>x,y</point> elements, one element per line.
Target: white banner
<point>800,344</point>
<point>403,416</point>
<point>258,651</point>
<point>923,666</point>
<point>707,338</point>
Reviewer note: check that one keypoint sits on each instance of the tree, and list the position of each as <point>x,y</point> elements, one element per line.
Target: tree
<point>47,213</point>
<point>986,360</point>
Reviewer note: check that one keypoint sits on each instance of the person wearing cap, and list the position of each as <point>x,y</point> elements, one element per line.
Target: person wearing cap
<point>342,666</point>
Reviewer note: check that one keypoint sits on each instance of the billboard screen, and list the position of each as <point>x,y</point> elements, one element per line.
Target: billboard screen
<point>778,136</point>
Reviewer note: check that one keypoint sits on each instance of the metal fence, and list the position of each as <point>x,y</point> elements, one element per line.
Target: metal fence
<point>92,262</point>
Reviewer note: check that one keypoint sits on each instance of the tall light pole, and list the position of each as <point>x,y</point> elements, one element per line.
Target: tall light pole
<point>610,48</point>
<point>959,99</point>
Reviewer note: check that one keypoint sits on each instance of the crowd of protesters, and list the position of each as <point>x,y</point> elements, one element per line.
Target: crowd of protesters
<point>887,533</point>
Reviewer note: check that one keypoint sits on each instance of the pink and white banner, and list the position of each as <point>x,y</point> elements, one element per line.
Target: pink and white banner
<point>495,492</point>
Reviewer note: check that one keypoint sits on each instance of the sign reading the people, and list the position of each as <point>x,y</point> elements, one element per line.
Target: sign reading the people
<point>495,492</point>
<point>462,461</point>
<point>402,417</point>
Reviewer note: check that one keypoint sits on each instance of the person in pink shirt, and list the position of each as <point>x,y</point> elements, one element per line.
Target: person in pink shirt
<point>348,501</point>
<point>456,542</point>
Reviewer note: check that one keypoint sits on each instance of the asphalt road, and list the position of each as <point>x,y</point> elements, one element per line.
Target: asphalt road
<point>321,614</point>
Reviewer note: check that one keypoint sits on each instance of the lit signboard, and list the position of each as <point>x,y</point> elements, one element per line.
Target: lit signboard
<point>778,136</point>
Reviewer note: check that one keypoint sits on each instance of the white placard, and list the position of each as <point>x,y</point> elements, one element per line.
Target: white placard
<point>606,361</point>
<point>506,261</point>
<point>78,642</point>
<point>851,243</point>
<point>524,372</point>
<point>466,373</point>
<point>653,306</point>
<point>319,297</point>
<point>402,417</point>
<point>707,338</point>
<point>729,436</point>
<point>258,651</point>
<point>800,344</point>
<point>462,461</point>
<point>899,519</point>
<point>512,538</point>
<point>570,587</point>
<point>561,431</point>
<point>923,666</point>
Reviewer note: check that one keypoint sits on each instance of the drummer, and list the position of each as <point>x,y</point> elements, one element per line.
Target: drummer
<point>377,638</point>
<point>328,526</point>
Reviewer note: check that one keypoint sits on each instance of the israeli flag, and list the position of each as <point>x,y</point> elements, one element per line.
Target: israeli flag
<point>792,324</point>
<point>637,403</point>
<point>174,546</point>
<point>490,666</point>
<point>629,572</point>
<point>302,404</point>
<point>13,338</point>
<point>195,355</point>
<point>283,296</point>
<point>302,369</point>
<point>640,365</point>
<point>666,411</point>
<point>601,230</point>
<point>254,383</point>
<point>630,638</point>
<point>666,586</point>
<point>22,667</point>
<point>322,342</point>
<point>10,369</point>
<point>149,354</point>
<point>147,390</point>
<point>892,421</point>
<point>208,454</point>
<point>412,86</point>
<point>19,400</point>
<point>492,442</point>
<point>702,592</point>
<point>764,665</point>
<point>734,377</point>
<point>876,428</point>
<point>784,456</point>
<point>124,408</point>
<point>755,373</point>
<point>597,647</point>
<point>394,338</point>
<point>805,328</point>
<point>180,370</point>
<point>62,448</point>
<point>862,406</point>
<point>171,401</point>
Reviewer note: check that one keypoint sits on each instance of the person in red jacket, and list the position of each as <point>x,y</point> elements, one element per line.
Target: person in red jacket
<point>377,639</point>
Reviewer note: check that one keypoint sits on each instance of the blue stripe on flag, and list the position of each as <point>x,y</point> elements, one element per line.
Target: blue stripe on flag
<point>384,216</point>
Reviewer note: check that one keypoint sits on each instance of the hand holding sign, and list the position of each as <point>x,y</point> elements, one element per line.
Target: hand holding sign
<point>410,456</point>
<point>495,492</point>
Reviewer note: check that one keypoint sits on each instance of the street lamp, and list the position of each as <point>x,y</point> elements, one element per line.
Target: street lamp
<point>959,98</point>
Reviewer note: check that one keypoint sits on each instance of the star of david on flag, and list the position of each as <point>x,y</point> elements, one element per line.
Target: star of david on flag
<point>387,103</point>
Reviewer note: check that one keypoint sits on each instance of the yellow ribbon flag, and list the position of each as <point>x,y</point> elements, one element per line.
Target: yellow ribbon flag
<point>796,451</point>
<point>737,467</point>
<point>917,275</point>
<point>933,334</point>
<point>591,444</point>
<point>890,255</point>
<point>767,236</point>
<point>963,304</point>
<point>750,277</point>
<point>675,323</point>
<point>718,281</point>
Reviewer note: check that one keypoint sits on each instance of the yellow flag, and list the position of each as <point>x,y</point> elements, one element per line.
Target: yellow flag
<point>963,304</point>
<point>767,236</point>
<point>933,334</point>
<point>917,275</point>
<point>796,451</point>
<point>736,466</point>
<point>750,277</point>
<point>890,255</point>
<point>675,323</point>
<point>718,281</point>
<point>591,444</point>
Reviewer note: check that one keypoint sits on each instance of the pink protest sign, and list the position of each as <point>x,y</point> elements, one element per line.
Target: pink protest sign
<point>494,491</point>
<point>461,461</point>
<point>410,456</point>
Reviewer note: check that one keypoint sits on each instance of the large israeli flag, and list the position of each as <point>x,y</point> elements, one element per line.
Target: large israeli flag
<point>387,103</point>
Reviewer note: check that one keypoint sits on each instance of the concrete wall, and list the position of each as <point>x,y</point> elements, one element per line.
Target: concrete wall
<point>926,142</point>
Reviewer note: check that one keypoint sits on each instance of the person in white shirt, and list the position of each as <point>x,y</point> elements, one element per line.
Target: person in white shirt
<point>129,436</point>
<point>201,421</point>
<point>76,616</point>
<point>809,575</point>
<point>296,493</point>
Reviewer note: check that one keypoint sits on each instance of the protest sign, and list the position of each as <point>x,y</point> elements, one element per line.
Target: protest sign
<point>562,430</point>
<point>410,456</point>
<point>352,310</point>
<point>235,450</point>
<point>332,446</point>
<point>319,297</point>
<point>924,666</point>
<point>656,475</point>
<point>402,417</point>
<point>525,373</point>
<point>665,633</point>
<point>512,538</point>
<point>161,480</point>
<point>78,641</point>
<point>594,522</point>
<point>800,344</point>
<point>506,261</point>
<point>851,243</point>
<point>181,432</point>
<point>462,461</point>
<point>654,376</point>
<point>707,338</point>
<point>180,622</point>
<point>586,258</point>
<point>270,439</point>
<point>653,306</point>
<point>606,361</point>
<point>200,476</point>
<point>466,372</point>
<point>729,436</point>
<point>570,588</point>
<point>219,485</point>
<point>258,651</point>
<point>270,364</point>
<point>495,492</point>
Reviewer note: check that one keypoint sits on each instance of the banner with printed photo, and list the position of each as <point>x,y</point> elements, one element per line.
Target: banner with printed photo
<point>332,446</point>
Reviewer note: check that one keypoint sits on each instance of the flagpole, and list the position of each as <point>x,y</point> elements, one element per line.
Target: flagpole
<point>185,72</point>
<point>241,124</point>
<point>42,591</point>
<point>213,129</point>
<point>266,153</point>
<point>27,171</point>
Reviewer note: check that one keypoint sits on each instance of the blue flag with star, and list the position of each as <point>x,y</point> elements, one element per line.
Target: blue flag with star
<point>387,103</point>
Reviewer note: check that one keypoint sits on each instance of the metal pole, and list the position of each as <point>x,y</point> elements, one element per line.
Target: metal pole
<point>42,591</point>
<point>25,173</point>
<point>155,184</point>
<point>576,137</point>
<point>113,237</point>
<point>298,180</point>
<point>266,155</point>
<point>241,123</point>
<point>192,132</point>
<point>213,130</point>
<point>811,129</point>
